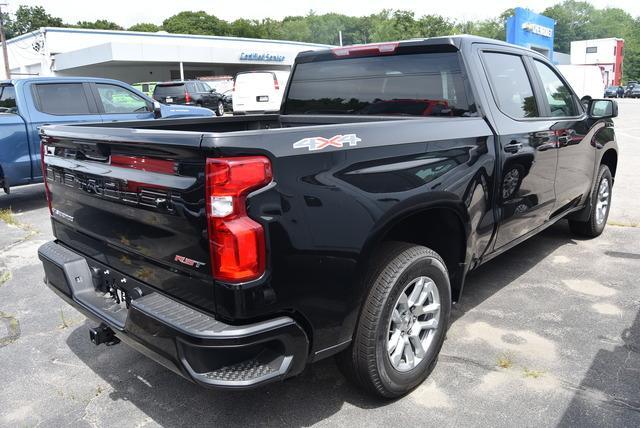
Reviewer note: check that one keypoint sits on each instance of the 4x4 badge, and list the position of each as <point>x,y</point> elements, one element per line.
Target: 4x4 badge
<point>319,143</point>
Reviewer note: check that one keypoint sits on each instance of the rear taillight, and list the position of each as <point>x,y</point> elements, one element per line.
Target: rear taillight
<point>236,242</point>
<point>44,177</point>
<point>276,85</point>
<point>187,97</point>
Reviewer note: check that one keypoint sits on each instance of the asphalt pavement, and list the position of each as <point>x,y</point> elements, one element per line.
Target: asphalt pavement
<point>547,334</point>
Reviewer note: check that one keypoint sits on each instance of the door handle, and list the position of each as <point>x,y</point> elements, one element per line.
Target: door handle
<point>564,140</point>
<point>513,147</point>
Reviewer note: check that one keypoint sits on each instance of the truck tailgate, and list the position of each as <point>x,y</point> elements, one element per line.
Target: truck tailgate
<point>133,204</point>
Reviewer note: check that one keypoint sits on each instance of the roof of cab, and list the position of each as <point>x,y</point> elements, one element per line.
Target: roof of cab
<point>53,79</point>
<point>456,41</point>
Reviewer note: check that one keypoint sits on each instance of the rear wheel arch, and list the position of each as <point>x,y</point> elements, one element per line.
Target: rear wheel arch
<point>444,228</point>
<point>610,158</point>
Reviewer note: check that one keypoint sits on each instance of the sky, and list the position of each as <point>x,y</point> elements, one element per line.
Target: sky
<point>129,12</point>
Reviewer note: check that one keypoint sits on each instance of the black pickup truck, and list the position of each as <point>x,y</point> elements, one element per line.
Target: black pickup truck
<point>237,250</point>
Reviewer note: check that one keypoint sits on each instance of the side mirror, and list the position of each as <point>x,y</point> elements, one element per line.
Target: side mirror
<point>603,109</point>
<point>157,112</point>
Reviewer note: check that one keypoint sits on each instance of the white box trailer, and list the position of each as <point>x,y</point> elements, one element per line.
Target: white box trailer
<point>586,80</point>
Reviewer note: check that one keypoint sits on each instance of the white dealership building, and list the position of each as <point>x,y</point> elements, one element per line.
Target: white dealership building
<point>137,57</point>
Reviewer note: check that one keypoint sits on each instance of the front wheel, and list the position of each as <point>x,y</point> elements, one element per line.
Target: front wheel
<point>600,205</point>
<point>220,109</point>
<point>403,321</point>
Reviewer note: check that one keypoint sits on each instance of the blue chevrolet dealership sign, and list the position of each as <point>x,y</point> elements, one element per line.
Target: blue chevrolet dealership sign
<point>530,30</point>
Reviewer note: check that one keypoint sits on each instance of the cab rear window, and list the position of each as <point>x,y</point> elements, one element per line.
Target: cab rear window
<point>427,84</point>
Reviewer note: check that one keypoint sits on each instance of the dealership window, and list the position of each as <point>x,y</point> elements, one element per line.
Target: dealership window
<point>62,99</point>
<point>116,99</point>
<point>8,99</point>
<point>592,49</point>
<point>560,98</point>
<point>510,84</point>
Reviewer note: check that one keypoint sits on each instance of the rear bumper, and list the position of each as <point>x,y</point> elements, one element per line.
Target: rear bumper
<point>189,342</point>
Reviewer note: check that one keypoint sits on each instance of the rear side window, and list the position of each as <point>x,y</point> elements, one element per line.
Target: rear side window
<point>63,99</point>
<point>8,99</point>
<point>116,99</point>
<point>510,85</point>
<point>559,96</point>
<point>175,90</point>
<point>429,84</point>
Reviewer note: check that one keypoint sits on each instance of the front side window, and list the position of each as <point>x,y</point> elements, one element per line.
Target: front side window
<point>116,99</point>
<point>429,84</point>
<point>559,96</point>
<point>62,99</point>
<point>8,99</point>
<point>511,86</point>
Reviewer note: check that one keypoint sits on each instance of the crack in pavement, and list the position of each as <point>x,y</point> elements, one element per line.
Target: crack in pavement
<point>586,393</point>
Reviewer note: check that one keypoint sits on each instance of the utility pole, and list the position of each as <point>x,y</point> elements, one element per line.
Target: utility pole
<point>3,39</point>
<point>340,36</point>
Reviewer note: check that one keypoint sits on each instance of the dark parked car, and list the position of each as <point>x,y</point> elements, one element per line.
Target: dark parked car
<point>632,91</point>
<point>189,92</point>
<point>614,92</point>
<point>237,250</point>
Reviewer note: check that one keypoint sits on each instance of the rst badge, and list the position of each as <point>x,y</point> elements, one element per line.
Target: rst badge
<point>319,143</point>
<point>189,262</point>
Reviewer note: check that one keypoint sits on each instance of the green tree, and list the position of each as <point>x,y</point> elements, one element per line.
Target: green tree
<point>196,23</point>
<point>28,19</point>
<point>145,27</point>
<point>434,26</point>
<point>246,28</point>
<point>573,22</point>
<point>100,24</point>
<point>390,25</point>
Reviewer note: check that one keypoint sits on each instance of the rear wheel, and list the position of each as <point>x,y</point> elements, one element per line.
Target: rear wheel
<point>220,109</point>
<point>600,205</point>
<point>403,321</point>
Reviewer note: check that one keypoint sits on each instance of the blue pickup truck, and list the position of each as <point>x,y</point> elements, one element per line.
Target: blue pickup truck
<point>27,104</point>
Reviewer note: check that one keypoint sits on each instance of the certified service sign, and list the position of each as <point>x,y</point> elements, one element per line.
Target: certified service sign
<point>254,56</point>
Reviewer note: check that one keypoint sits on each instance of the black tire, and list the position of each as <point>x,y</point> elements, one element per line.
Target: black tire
<point>366,361</point>
<point>220,109</point>
<point>591,228</point>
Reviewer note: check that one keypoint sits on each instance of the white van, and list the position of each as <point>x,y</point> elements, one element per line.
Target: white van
<point>259,91</point>
<point>586,80</point>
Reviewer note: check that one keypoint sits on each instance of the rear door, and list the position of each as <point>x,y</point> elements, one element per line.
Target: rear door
<point>116,102</point>
<point>525,187</point>
<point>204,94</point>
<point>57,103</point>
